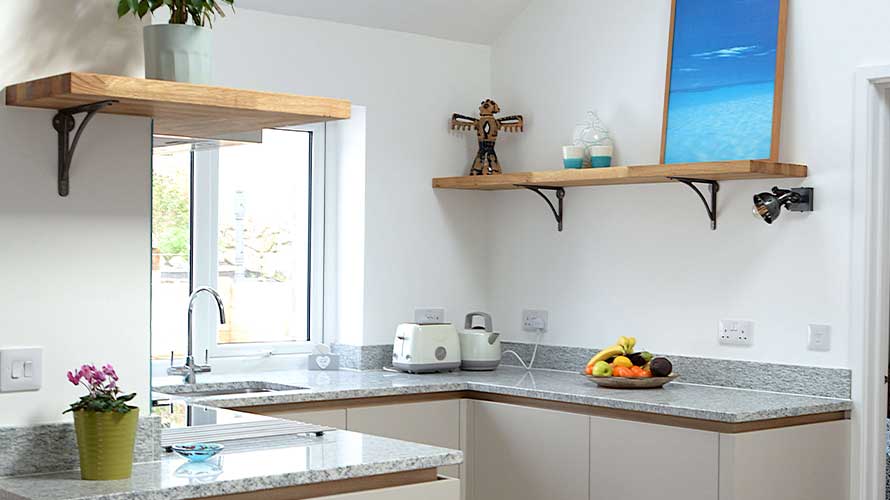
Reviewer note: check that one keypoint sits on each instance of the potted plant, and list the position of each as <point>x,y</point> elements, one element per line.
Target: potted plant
<point>105,424</point>
<point>178,51</point>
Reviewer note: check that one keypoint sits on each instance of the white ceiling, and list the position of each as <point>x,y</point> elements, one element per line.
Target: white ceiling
<point>477,21</point>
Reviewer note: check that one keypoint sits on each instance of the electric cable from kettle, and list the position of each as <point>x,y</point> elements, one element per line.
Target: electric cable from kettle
<point>534,353</point>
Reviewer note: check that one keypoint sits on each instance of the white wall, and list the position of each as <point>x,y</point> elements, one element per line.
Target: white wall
<point>420,246</point>
<point>346,162</point>
<point>76,269</point>
<point>642,260</point>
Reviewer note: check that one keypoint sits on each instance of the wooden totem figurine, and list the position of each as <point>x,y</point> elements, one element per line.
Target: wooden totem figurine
<point>487,128</point>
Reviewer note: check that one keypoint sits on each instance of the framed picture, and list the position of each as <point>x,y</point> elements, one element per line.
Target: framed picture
<point>723,91</point>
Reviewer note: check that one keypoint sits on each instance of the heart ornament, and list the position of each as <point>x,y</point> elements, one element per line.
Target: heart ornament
<point>323,361</point>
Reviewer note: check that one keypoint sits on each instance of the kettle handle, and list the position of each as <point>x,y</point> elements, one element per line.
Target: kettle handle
<point>468,321</point>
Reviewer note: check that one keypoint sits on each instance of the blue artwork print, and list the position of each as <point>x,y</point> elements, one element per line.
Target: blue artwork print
<point>722,80</point>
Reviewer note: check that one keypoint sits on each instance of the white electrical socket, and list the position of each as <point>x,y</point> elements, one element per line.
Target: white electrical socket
<point>535,320</point>
<point>819,338</point>
<point>736,332</point>
<point>429,315</point>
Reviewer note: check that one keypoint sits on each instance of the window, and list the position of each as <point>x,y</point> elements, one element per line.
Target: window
<point>246,220</point>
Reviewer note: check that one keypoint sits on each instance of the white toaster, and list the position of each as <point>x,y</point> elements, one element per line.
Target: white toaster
<point>426,348</point>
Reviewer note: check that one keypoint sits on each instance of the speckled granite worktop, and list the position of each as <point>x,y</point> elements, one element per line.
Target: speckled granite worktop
<point>718,404</point>
<point>263,464</point>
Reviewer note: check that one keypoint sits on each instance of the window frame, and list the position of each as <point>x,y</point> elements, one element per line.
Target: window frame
<point>204,260</point>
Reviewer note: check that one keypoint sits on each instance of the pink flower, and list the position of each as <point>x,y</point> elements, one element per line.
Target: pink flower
<point>74,378</point>
<point>109,370</point>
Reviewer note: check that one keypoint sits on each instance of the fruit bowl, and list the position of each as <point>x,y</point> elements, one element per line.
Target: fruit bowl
<point>632,383</point>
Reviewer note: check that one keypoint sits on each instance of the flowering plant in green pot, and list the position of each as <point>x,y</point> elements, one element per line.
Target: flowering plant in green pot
<point>105,424</point>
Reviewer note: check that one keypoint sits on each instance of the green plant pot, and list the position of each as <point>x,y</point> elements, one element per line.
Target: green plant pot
<point>105,442</point>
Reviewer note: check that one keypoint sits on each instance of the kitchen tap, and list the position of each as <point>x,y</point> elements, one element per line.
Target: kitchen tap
<point>190,369</point>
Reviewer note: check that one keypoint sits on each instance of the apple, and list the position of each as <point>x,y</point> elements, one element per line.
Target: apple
<point>602,369</point>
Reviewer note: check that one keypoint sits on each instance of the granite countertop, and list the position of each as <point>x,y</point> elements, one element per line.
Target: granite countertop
<point>719,404</point>
<point>242,467</point>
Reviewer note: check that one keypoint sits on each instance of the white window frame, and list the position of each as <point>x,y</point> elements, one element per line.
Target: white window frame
<point>205,210</point>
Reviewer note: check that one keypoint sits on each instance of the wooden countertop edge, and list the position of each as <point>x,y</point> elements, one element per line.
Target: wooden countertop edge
<point>584,409</point>
<point>337,487</point>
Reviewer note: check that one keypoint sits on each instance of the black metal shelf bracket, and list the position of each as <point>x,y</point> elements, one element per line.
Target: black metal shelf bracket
<point>64,123</point>
<point>713,187</point>
<point>560,194</point>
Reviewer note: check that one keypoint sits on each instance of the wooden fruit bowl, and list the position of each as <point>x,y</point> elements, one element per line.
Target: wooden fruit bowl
<point>633,383</point>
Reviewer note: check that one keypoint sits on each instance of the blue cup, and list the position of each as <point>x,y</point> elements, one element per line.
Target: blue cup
<point>572,156</point>
<point>600,156</point>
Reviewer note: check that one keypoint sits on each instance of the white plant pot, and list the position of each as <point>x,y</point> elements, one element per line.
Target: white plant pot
<point>178,52</point>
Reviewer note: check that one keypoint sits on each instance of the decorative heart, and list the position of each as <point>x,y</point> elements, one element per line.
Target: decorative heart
<point>323,361</point>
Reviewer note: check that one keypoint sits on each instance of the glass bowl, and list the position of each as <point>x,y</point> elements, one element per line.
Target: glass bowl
<point>197,452</point>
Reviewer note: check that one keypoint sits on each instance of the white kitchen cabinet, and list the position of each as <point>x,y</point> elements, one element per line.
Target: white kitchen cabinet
<point>435,423</point>
<point>329,418</point>
<point>521,453</point>
<point>444,489</point>
<point>669,462</point>
<point>806,462</point>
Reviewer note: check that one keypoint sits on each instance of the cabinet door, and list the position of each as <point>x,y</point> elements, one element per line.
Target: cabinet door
<point>522,453</point>
<point>445,489</point>
<point>669,462</point>
<point>804,462</point>
<point>329,418</point>
<point>436,423</point>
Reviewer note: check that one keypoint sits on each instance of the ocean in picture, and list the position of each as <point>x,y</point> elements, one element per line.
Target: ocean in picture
<point>723,65</point>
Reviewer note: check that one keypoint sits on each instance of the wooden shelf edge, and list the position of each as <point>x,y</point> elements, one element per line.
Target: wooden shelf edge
<point>180,109</point>
<point>638,174</point>
<point>31,93</point>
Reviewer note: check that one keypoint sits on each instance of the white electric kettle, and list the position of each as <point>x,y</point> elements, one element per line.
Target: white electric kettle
<point>480,346</point>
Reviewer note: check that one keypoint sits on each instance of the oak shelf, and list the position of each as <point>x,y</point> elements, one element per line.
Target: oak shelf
<point>177,109</point>
<point>690,174</point>
<point>641,174</point>
<point>180,109</point>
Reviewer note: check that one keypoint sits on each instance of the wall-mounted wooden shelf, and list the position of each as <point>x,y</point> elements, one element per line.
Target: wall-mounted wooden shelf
<point>642,174</point>
<point>181,109</point>
<point>690,174</point>
<point>178,109</point>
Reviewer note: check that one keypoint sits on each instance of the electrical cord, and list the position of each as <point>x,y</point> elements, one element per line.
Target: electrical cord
<point>534,352</point>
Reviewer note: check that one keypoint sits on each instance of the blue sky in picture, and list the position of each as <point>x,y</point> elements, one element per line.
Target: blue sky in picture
<point>722,80</point>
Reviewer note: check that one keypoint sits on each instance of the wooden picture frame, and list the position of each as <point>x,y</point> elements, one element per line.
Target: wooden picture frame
<point>778,81</point>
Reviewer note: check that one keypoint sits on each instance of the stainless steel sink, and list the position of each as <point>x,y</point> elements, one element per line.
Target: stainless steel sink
<point>223,389</point>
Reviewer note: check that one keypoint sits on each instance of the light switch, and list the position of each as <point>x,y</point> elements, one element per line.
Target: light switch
<point>819,338</point>
<point>21,369</point>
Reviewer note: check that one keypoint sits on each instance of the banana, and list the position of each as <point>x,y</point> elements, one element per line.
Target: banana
<point>615,350</point>
<point>631,343</point>
<point>623,347</point>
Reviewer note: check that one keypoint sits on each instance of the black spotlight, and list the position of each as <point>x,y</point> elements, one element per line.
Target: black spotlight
<point>768,206</point>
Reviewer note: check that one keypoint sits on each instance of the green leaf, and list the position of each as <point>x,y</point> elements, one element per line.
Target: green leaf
<point>123,7</point>
<point>143,8</point>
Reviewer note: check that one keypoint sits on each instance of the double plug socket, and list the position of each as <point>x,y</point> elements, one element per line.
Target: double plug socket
<point>736,332</point>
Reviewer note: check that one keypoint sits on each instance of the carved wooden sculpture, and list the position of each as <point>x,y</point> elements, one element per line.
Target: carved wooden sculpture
<point>487,128</point>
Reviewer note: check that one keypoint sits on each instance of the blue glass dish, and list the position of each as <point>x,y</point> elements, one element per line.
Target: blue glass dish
<point>197,452</point>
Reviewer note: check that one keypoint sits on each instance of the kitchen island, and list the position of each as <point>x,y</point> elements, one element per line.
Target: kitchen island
<point>323,467</point>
